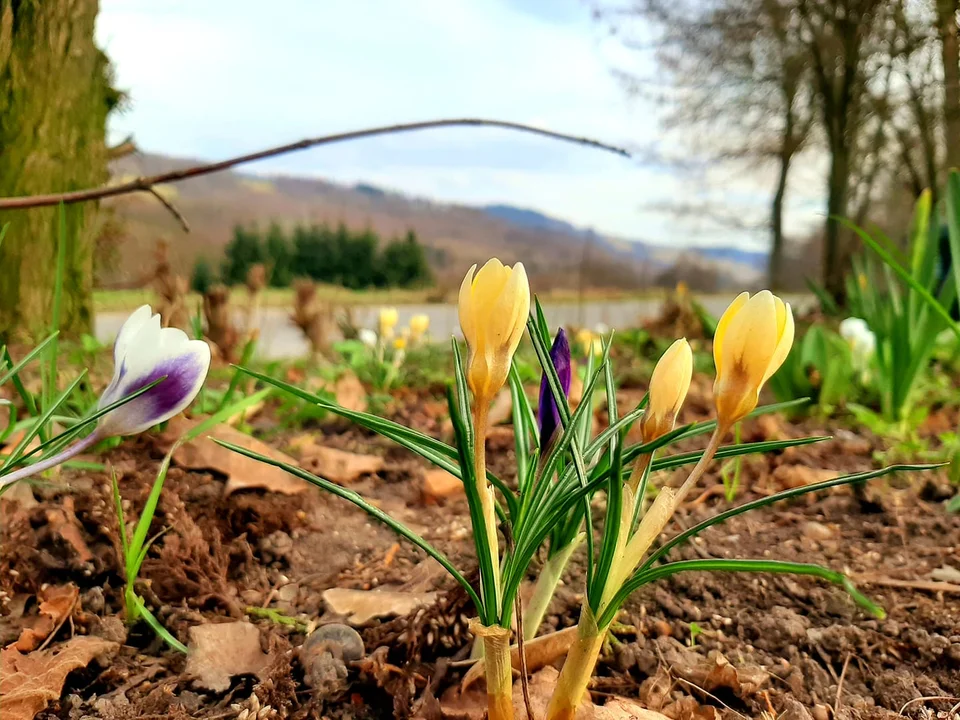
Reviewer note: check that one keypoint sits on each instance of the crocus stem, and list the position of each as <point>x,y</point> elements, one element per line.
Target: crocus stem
<point>577,668</point>
<point>636,475</point>
<point>498,670</point>
<point>481,411</point>
<point>546,586</point>
<point>52,461</point>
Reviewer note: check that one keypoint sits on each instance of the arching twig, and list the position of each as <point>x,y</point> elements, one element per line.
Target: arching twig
<point>169,206</point>
<point>146,183</point>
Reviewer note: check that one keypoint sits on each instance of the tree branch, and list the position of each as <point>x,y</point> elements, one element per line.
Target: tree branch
<point>146,183</point>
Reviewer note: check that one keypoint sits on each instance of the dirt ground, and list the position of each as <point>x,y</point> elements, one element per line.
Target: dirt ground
<point>770,646</point>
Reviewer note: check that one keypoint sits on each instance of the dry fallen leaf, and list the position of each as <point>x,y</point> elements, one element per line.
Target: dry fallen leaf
<point>221,651</point>
<point>542,651</point>
<point>64,522</point>
<point>472,705</point>
<point>28,682</point>
<point>710,673</point>
<point>242,472</point>
<point>362,606</point>
<point>792,476</point>
<point>350,393</point>
<point>56,603</point>
<point>338,466</point>
<point>439,485</point>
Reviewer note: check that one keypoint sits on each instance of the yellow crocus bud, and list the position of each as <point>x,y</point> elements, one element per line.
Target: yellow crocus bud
<point>668,389</point>
<point>419,324</point>
<point>493,306</point>
<point>752,340</point>
<point>388,321</point>
<point>400,343</point>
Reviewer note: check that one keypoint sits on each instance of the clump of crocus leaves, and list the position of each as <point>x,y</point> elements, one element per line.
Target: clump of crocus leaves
<point>561,465</point>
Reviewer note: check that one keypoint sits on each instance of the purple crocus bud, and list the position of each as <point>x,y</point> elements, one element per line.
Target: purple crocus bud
<point>143,353</point>
<point>548,413</point>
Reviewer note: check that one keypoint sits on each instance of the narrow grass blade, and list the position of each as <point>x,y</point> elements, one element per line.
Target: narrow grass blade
<point>891,263</point>
<point>783,495</point>
<point>728,565</point>
<point>159,629</point>
<point>245,358</point>
<point>139,539</point>
<point>728,451</point>
<point>430,449</point>
<point>356,499</point>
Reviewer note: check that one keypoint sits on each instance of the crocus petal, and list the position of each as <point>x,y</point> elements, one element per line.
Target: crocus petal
<point>722,324</point>
<point>149,353</point>
<point>548,414</point>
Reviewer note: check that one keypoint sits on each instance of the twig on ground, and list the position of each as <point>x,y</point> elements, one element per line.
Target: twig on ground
<point>146,183</point>
<point>843,674</point>
<point>928,585</point>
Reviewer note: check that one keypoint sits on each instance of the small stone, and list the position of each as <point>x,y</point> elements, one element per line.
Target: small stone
<point>792,476</point>
<point>662,628</point>
<point>439,485</point>
<point>817,531</point>
<point>820,712</point>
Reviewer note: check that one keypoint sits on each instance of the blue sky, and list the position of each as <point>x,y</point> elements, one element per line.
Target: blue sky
<point>215,78</point>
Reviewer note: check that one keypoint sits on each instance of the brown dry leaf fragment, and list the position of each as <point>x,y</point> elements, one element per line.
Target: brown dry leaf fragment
<point>242,472</point>
<point>221,651</point>
<point>28,682</point>
<point>361,606</point>
<point>793,476</point>
<point>542,651</point>
<point>64,522</point>
<point>56,603</point>
<point>472,704</point>
<point>687,708</point>
<point>350,393</point>
<point>339,466</point>
<point>440,485</point>
<point>715,671</point>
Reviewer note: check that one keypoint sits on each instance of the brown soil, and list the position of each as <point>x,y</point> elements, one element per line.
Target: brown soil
<point>815,653</point>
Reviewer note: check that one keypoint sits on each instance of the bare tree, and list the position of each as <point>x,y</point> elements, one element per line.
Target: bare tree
<point>738,73</point>
<point>947,11</point>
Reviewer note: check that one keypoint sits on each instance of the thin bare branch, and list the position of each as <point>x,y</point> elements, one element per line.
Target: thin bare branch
<point>169,206</point>
<point>146,183</point>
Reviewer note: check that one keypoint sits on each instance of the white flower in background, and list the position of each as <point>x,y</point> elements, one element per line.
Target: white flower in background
<point>143,354</point>
<point>601,328</point>
<point>860,338</point>
<point>367,336</point>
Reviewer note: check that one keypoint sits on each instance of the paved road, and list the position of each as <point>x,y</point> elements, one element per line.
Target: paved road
<point>280,338</point>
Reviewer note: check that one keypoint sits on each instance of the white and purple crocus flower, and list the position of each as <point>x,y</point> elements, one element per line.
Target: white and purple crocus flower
<point>144,353</point>
<point>548,414</point>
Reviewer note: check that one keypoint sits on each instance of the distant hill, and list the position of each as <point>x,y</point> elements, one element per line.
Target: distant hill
<point>455,235</point>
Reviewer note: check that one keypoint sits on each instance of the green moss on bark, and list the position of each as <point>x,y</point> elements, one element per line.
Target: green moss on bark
<point>55,95</point>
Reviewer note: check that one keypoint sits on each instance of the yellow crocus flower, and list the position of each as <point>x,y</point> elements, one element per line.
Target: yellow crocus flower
<point>388,321</point>
<point>751,342</point>
<point>493,307</point>
<point>419,324</point>
<point>669,384</point>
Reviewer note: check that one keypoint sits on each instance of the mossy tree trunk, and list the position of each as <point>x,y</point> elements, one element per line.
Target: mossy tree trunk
<point>55,94</point>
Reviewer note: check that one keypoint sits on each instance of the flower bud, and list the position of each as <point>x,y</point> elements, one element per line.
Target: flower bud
<point>493,307</point>
<point>751,342</point>
<point>388,321</point>
<point>143,353</point>
<point>548,414</point>
<point>668,389</point>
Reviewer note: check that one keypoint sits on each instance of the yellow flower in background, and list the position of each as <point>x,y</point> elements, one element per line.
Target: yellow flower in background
<point>493,307</point>
<point>419,324</point>
<point>682,288</point>
<point>669,384</point>
<point>388,321</point>
<point>751,342</point>
<point>584,339</point>
<point>596,346</point>
<point>862,281</point>
<point>400,343</point>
